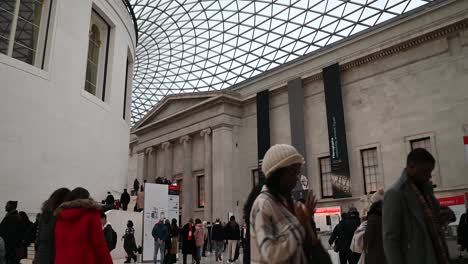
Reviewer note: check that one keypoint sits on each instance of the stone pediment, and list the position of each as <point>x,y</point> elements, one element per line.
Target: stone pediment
<point>173,104</point>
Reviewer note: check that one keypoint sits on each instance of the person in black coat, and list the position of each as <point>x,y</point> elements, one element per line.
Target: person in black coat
<point>462,232</point>
<point>45,237</point>
<point>187,236</point>
<point>373,235</point>
<point>130,245</point>
<point>343,235</point>
<point>125,200</point>
<point>11,230</point>
<point>217,238</point>
<point>136,187</point>
<point>233,236</point>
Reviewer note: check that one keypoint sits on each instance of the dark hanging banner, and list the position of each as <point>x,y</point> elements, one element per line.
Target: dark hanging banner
<point>336,132</point>
<point>263,129</point>
<point>296,120</point>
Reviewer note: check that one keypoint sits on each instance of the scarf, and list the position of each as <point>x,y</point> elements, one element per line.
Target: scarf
<point>431,214</point>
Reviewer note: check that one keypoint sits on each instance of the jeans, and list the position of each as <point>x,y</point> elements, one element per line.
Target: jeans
<point>159,246</point>
<point>232,246</point>
<point>218,247</point>
<point>199,254</point>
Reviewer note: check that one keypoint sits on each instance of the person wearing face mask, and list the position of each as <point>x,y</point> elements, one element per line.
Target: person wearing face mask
<point>412,230</point>
<point>281,229</point>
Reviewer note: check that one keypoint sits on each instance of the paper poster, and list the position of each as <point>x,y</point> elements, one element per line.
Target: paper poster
<point>161,202</point>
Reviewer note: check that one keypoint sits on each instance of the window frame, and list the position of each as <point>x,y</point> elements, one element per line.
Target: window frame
<point>436,178</point>
<point>102,66</point>
<point>321,173</point>
<point>255,177</point>
<point>200,179</point>
<point>128,84</point>
<point>40,52</point>
<point>376,167</point>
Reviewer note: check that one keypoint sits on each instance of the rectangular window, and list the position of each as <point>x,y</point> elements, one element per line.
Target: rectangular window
<point>127,81</point>
<point>424,143</point>
<point>23,29</point>
<point>255,177</point>
<point>98,49</point>
<point>370,170</point>
<point>325,177</point>
<point>201,191</point>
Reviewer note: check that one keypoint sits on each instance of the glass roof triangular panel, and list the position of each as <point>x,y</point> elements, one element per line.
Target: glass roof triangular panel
<point>193,45</point>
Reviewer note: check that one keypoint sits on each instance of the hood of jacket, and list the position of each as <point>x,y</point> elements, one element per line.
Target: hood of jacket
<point>75,209</point>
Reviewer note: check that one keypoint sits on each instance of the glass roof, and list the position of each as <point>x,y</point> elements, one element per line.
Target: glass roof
<point>204,45</point>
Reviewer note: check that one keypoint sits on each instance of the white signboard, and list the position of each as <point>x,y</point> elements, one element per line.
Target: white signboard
<point>465,141</point>
<point>161,202</point>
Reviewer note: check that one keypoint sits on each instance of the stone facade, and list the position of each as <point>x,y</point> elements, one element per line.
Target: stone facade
<point>401,82</point>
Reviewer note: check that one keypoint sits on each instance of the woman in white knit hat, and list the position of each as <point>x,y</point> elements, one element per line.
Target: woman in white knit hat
<point>279,228</point>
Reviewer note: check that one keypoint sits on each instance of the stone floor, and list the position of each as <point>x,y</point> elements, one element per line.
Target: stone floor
<point>208,260</point>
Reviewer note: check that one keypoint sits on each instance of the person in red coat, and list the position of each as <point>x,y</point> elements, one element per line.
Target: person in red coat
<point>78,233</point>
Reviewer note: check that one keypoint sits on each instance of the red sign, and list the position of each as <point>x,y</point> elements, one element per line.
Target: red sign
<point>465,140</point>
<point>328,210</point>
<point>174,187</point>
<point>451,201</point>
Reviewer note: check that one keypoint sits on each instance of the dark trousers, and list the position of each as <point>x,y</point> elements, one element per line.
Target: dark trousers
<point>194,257</point>
<point>131,255</point>
<point>347,256</point>
<point>124,206</point>
<point>204,248</point>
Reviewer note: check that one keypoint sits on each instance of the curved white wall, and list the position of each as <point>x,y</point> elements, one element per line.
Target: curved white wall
<point>54,134</point>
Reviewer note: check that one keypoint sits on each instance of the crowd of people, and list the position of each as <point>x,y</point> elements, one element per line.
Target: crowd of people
<point>197,238</point>
<point>404,224</point>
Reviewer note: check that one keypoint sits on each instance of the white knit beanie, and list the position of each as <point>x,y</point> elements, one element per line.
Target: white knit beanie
<point>280,156</point>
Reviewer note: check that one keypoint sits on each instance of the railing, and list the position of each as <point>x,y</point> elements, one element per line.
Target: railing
<point>132,14</point>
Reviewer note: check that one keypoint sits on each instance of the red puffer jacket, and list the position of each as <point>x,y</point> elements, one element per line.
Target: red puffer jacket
<point>79,238</point>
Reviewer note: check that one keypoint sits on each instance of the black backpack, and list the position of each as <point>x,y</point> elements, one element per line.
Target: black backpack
<point>113,241</point>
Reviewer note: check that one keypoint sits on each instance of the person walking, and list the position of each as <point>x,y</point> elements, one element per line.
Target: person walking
<point>110,200</point>
<point>174,232</point>
<point>109,233</point>
<point>2,251</point>
<point>462,232</point>
<point>207,236</point>
<point>200,236</point>
<point>217,238</point>
<point>136,186</point>
<point>279,228</point>
<point>232,236</point>
<point>140,202</point>
<point>125,199</point>
<point>160,234</point>
<point>45,238</point>
<point>412,232</point>
<point>78,231</point>
<point>11,230</point>
<point>130,245</point>
<point>373,235</point>
<point>188,241</point>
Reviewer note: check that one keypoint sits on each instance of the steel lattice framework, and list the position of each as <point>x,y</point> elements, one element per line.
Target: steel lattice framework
<point>203,45</point>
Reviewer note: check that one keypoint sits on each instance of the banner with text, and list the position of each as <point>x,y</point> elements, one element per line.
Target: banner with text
<point>336,132</point>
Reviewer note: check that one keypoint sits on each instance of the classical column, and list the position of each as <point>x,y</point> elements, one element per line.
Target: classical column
<point>140,167</point>
<point>150,163</point>
<point>188,186</point>
<point>166,146</point>
<point>208,175</point>
<point>222,171</point>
